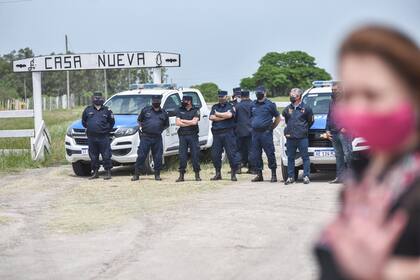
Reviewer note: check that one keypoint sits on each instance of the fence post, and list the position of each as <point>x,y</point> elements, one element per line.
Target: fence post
<point>37,90</point>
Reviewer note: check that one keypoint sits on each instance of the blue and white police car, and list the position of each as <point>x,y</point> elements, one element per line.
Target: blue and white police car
<point>321,151</point>
<point>125,138</point>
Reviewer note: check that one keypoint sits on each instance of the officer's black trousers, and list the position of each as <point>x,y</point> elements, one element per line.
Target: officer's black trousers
<point>100,145</point>
<point>191,142</point>
<point>226,140</point>
<point>148,144</point>
<point>244,146</point>
<point>263,141</point>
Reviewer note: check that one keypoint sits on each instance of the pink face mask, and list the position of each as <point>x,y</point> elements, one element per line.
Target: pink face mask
<point>383,132</point>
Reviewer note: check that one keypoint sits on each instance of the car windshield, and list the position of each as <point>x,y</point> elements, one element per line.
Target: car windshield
<point>319,102</point>
<point>128,104</point>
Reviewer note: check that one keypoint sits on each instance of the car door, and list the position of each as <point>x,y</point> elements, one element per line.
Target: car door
<point>203,124</point>
<point>171,141</point>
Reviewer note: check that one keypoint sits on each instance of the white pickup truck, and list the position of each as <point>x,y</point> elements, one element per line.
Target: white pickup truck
<point>125,138</point>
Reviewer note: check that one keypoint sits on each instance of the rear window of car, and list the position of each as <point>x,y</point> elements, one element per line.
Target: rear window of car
<point>128,104</point>
<point>196,99</point>
<point>319,102</point>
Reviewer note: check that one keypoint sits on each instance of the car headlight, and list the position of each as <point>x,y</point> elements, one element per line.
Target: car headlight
<point>69,132</point>
<point>125,131</point>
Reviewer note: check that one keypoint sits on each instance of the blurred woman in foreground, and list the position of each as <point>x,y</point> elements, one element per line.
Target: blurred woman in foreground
<point>376,235</point>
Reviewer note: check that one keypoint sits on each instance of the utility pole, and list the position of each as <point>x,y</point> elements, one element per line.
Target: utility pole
<point>105,85</point>
<point>24,87</point>
<point>68,76</point>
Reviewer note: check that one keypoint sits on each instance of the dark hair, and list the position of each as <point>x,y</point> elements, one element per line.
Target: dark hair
<point>396,49</point>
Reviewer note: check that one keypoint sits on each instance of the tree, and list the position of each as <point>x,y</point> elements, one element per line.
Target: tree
<point>279,72</point>
<point>209,91</point>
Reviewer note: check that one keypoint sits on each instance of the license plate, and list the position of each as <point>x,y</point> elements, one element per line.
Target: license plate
<point>324,153</point>
<point>84,151</point>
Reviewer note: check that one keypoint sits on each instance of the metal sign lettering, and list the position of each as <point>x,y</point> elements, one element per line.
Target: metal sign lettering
<point>95,61</point>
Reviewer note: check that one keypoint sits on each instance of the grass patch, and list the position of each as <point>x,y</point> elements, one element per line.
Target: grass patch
<point>280,99</point>
<point>57,122</point>
<point>4,220</point>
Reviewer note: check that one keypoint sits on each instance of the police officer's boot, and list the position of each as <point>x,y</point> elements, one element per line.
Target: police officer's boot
<point>157,175</point>
<point>233,175</point>
<point>95,175</point>
<point>273,176</point>
<point>136,176</point>
<point>108,175</point>
<point>181,177</point>
<point>259,177</point>
<point>197,176</point>
<point>217,176</point>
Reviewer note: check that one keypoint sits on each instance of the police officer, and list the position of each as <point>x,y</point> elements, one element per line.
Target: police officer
<point>222,116</point>
<point>153,120</point>
<point>235,96</point>
<point>244,129</point>
<point>99,121</point>
<point>187,118</point>
<point>341,142</point>
<point>263,112</point>
<point>299,118</point>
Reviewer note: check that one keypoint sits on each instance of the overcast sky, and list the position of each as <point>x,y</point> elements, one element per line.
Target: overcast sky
<point>219,40</point>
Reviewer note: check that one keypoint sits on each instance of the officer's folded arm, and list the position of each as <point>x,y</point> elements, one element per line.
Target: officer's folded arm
<point>182,123</point>
<point>224,115</point>
<point>215,118</point>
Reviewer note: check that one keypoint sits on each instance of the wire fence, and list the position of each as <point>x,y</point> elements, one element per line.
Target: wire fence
<point>48,103</point>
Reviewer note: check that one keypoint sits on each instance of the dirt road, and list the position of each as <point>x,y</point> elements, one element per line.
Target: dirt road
<point>56,226</point>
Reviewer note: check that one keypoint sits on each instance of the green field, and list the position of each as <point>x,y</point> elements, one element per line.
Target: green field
<point>279,99</point>
<point>57,122</point>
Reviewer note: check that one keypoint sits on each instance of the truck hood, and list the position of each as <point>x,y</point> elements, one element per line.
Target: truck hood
<point>320,122</point>
<point>120,121</point>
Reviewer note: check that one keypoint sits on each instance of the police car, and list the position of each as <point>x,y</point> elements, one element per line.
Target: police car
<point>321,151</point>
<point>125,138</point>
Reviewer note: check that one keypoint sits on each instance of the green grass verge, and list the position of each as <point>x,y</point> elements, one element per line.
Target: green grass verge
<point>57,122</point>
<point>279,99</point>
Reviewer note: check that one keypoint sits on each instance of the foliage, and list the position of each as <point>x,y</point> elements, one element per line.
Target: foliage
<point>209,91</point>
<point>279,72</point>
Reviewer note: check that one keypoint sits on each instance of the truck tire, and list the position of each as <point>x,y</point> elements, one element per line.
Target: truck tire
<point>284,172</point>
<point>149,165</point>
<point>81,168</point>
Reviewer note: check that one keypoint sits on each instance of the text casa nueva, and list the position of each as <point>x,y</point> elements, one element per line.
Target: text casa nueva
<point>106,60</point>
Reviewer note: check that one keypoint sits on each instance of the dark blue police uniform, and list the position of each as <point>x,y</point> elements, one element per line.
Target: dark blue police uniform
<point>243,129</point>
<point>188,138</point>
<point>99,124</point>
<point>224,137</point>
<point>342,144</point>
<point>298,121</point>
<point>262,114</point>
<point>152,123</point>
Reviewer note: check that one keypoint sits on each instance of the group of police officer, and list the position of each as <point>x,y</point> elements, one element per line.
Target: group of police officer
<point>242,128</point>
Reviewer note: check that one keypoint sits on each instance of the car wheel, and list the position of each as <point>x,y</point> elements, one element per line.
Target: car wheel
<point>224,156</point>
<point>296,174</point>
<point>284,172</point>
<point>149,165</point>
<point>81,168</point>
